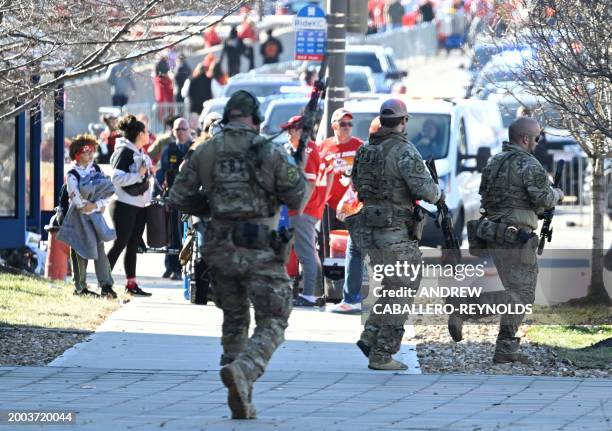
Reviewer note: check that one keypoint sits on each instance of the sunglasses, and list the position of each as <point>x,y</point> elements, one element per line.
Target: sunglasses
<point>181,129</point>
<point>346,124</point>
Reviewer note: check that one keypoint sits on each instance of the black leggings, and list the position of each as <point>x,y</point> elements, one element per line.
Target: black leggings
<point>129,223</point>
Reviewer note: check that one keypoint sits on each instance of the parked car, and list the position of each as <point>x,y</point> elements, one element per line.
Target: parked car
<point>359,79</point>
<point>380,61</point>
<point>503,67</point>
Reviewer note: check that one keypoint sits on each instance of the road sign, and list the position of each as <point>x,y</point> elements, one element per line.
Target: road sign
<point>310,33</point>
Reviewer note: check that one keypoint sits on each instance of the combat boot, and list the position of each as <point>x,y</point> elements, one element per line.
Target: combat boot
<point>455,327</point>
<point>507,351</point>
<point>386,364</point>
<point>505,358</point>
<point>239,392</point>
<point>368,339</point>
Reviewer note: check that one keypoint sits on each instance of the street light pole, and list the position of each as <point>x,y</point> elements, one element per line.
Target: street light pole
<point>336,58</point>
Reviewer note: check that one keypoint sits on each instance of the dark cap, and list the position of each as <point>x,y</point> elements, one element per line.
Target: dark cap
<point>393,108</point>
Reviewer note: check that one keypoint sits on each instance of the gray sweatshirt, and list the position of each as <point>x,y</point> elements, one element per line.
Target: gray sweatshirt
<point>126,160</point>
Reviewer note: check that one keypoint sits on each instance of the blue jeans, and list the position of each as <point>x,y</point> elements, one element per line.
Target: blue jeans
<point>353,265</point>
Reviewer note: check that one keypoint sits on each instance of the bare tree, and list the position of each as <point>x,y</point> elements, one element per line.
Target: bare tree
<point>46,42</point>
<point>570,68</point>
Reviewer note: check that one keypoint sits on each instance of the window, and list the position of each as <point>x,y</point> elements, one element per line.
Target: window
<point>8,164</point>
<point>430,134</point>
<point>47,184</point>
<point>368,59</point>
<point>357,82</point>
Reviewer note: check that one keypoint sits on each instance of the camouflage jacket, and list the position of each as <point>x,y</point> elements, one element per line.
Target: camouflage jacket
<point>405,177</point>
<point>515,188</point>
<point>278,180</point>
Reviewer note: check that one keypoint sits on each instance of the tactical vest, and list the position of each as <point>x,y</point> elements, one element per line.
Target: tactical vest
<point>377,189</point>
<point>236,193</point>
<point>504,189</point>
<point>368,178</point>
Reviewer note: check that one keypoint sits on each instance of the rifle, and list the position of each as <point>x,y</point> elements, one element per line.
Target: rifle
<point>546,232</point>
<point>445,222</point>
<point>310,112</point>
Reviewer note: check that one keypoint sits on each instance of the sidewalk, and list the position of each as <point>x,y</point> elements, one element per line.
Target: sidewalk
<point>154,365</point>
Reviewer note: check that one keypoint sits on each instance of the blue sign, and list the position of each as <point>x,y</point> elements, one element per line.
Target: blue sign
<point>310,33</point>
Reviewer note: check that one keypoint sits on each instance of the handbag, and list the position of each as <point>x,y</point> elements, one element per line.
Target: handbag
<point>157,232</point>
<point>138,188</point>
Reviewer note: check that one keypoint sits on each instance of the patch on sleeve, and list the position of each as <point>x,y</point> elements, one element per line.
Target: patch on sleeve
<point>292,174</point>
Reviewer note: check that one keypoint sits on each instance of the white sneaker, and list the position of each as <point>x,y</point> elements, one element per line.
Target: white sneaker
<point>345,308</point>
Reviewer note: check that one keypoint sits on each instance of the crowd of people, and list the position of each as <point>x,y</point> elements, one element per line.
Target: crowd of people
<point>175,81</point>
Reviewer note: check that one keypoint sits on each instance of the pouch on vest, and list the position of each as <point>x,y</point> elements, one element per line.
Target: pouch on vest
<point>477,245</point>
<point>377,215</point>
<point>487,230</point>
<point>367,178</point>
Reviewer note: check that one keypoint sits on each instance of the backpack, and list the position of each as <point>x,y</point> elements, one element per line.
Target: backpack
<point>64,201</point>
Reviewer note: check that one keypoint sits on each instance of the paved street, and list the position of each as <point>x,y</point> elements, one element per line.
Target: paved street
<point>153,364</point>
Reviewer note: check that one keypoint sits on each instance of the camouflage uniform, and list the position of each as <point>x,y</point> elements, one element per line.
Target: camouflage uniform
<point>514,190</point>
<point>384,228</point>
<point>245,190</point>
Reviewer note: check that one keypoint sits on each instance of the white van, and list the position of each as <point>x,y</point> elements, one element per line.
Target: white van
<point>466,133</point>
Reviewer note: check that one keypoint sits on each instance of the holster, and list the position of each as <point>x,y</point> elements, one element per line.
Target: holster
<point>280,242</point>
<point>477,245</point>
<point>417,223</point>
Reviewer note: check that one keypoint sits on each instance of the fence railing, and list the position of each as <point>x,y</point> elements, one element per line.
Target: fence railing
<point>406,42</point>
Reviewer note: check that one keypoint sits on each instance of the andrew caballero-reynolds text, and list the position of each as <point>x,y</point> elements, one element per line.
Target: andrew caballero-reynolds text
<point>456,272</point>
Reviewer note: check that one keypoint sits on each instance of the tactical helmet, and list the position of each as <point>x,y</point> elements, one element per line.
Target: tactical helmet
<point>244,102</point>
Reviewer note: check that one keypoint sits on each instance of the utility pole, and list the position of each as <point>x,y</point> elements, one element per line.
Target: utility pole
<point>336,59</point>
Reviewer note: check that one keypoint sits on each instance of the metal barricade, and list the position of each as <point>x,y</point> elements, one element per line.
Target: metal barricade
<point>161,111</point>
<point>408,42</point>
<point>137,108</point>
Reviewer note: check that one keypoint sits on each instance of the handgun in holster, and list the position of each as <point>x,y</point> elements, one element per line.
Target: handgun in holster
<point>280,242</point>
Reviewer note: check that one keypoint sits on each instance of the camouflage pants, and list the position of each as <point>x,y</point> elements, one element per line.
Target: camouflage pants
<point>384,332</point>
<point>243,277</point>
<point>519,280</point>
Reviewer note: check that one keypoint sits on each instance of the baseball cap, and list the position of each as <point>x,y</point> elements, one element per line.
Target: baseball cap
<point>339,113</point>
<point>294,121</point>
<point>393,108</point>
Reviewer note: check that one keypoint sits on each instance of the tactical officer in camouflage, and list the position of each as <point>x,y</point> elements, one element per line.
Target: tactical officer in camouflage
<point>514,190</point>
<point>389,175</point>
<point>246,179</point>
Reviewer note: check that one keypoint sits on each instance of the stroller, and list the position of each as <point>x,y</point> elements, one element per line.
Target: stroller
<point>196,274</point>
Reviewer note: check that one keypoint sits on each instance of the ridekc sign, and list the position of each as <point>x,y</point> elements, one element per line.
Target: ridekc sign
<point>310,33</point>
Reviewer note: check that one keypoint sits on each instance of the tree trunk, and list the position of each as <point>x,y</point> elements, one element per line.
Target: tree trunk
<point>597,290</point>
